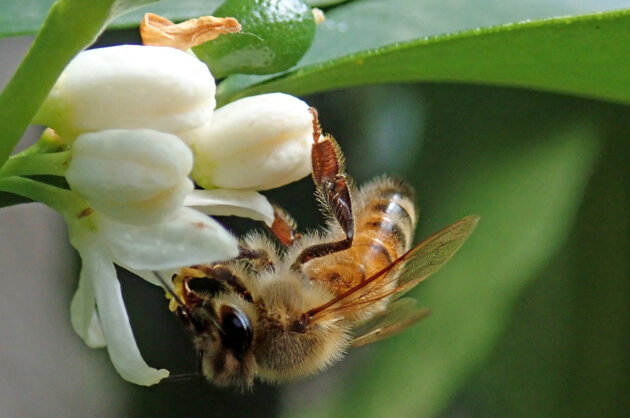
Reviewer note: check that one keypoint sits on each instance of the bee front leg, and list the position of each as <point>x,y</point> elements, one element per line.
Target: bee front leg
<point>258,258</point>
<point>284,227</point>
<point>332,189</point>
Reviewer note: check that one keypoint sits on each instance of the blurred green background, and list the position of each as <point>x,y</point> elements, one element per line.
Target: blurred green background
<point>530,318</point>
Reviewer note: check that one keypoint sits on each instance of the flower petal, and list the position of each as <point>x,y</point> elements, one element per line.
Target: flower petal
<point>136,176</point>
<point>129,86</point>
<point>227,202</point>
<point>121,345</point>
<point>257,142</point>
<point>83,314</point>
<point>148,275</point>
<point>95,337</point>
<point>188,238</point>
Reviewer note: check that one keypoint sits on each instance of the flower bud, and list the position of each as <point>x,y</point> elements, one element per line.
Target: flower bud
<point>136,177</point>
<point>130,87</point>
<point>259,142</point>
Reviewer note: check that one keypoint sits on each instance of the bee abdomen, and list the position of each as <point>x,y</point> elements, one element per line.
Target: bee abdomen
<point>386,219</point>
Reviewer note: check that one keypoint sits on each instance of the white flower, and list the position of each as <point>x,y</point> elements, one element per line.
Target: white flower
<point>135,182</point>
<point>224,202</point>
<point>98,312</point>
<point>135,176</point>
<point>129,86</point>
<point>131,111</point>
<point>259,142</point>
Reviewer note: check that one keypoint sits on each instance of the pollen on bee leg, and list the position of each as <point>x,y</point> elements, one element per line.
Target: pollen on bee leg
<point>158,31</point>
<point>193,272</point>
<point>178,289</point>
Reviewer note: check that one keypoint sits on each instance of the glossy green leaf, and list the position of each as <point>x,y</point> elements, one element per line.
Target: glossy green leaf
<point>70,26</point>
<point>522,165</point>
<point>583,55</point>
<point>25,17</point>
<point>275,35</point>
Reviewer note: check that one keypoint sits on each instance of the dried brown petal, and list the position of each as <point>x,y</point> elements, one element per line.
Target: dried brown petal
<point>158,31</point>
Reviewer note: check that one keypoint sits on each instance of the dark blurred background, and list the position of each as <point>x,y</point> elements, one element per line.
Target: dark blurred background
<point>531,317</point>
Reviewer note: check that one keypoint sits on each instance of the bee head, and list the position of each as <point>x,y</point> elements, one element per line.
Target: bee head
<point>224,329</point>
<point>245,329</point>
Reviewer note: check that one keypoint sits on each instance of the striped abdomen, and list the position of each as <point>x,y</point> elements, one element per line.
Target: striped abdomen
<point>384,219</point>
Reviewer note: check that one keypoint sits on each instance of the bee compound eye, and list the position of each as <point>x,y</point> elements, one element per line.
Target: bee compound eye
<point>237,331</point>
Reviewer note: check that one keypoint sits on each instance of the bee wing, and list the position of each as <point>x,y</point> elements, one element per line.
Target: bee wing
<point>407,271</point>
<point>431,254</point>
<point>398,316</point>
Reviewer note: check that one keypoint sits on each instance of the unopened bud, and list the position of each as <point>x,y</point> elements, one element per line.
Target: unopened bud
<point>259,142</point>
<point>129,87</point>
<point>132,176</point>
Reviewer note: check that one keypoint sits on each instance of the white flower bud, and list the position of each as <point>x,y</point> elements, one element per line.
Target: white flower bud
<point>259,142</point>
<point>130,87</point>
<point>132,176</point>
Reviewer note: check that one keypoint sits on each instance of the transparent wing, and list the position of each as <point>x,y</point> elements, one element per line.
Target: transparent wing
<point>398,316</point>
<point>406,272</point>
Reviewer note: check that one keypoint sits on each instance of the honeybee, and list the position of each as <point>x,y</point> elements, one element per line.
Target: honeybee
<point>281,313</point>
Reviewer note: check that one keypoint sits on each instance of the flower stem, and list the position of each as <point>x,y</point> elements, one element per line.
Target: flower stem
<point>49,142</point>
<point>36,164</point>
<point>66,202</point>
<point>69,27</point>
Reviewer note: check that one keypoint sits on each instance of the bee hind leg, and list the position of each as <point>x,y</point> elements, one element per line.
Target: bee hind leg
<point>332,189</point>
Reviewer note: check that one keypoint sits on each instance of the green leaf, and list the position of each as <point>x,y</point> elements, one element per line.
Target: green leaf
<point>522,168</point>
<point>70,26</point>
<point>275,35</point>
<point>362,43</point>
<point>23,18</point>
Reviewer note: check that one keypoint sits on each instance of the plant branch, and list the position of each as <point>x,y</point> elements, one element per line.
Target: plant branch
<point>36,164</point>
<point>66,202</point>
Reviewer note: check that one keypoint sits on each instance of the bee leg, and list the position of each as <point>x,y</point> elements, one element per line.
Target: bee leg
<point>224,274</point>
<point>332,189</point>
<point>284,227</point>
<point>257,258</point>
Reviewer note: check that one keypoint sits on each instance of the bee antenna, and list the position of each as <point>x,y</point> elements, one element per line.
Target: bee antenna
<point>169,289</point>
<point>195,323</point>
